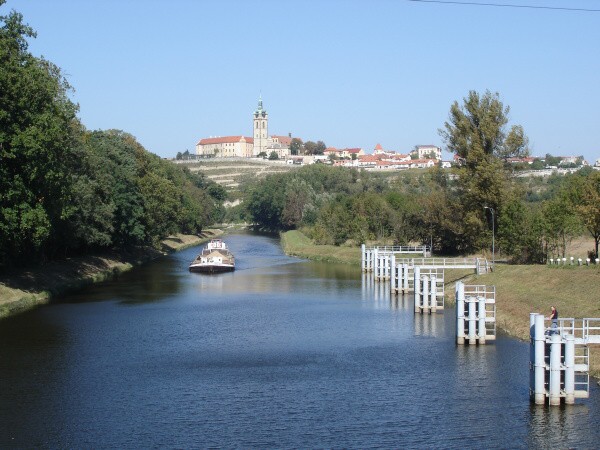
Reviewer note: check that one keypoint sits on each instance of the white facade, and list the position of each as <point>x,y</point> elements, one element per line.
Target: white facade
<point>225,147</point>
<point>429,151</point>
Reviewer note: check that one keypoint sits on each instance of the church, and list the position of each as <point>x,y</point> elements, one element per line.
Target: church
<point>240,146</point>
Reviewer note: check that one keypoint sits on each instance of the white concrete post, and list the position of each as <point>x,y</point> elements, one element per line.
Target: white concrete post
<point>404,277</point>
<point>393,270</point>
<point>570,369</point>
<point>393,289</point>
<point>433,294</point>
<point>531,353</point>
<point>375,257</point>
<point>363,258</point>
<point>425,293</point>
<point>472,321</point>
<point>460,313</point>
<point>555,348</point>
<point>539,362</point>
<point>417,287</point>
<point>481,301</point>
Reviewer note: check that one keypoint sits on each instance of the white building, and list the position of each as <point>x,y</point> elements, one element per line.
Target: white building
<point>429,151</point>
<point>225,147</point>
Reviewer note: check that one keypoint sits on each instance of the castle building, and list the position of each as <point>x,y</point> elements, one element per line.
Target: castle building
<point>247,147</point>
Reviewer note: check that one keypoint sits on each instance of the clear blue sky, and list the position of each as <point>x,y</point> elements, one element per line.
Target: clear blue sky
<point>349,73</point>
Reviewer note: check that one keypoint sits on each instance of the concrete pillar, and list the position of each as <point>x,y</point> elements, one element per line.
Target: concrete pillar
<point>472,320</point>
<point>460,313</point>
<point>555,356</point>
<point>393,275</point>
<point>433,293</point>
<point>417,287</point>
<point>481,315</point>
<point>531,354</point>
<point>363,257</point>
<point>404,277</point>
<point>539,361</point>
<point>375,257</point>
<point>570,369</point>
<point>425,294</point>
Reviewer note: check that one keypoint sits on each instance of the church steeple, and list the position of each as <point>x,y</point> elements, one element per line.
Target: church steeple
<point>260,126</point>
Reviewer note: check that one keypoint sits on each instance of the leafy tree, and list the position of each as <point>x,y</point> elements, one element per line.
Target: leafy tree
<point>476,132</point>
<point>298,197</point>
<point>477,129</point>
<point>561,222</point>
<point>552,161</point>
<point>295,146</point>
<point>521,232</point>
<point>314,148</point>
<point>38,130</point>
<point>587,199</point>
<point>273,156</point>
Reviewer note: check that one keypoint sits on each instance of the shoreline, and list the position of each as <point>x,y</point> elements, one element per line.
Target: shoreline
<point>35,286</point>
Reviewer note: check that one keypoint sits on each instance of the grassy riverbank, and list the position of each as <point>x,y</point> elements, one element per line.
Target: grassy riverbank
<point>520,289</point>
<point>294,243</point>
<point>27,288</point>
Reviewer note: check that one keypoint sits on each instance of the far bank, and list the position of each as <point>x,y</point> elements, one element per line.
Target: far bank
<point>29,287</point>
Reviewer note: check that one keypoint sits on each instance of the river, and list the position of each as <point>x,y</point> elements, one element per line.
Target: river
<point>281,353</point>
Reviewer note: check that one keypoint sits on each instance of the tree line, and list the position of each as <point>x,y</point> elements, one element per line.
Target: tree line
<point>455,211</point>
<point>65,190</point>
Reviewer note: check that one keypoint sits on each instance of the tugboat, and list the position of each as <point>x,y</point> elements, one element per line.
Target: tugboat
<point>214,258</point>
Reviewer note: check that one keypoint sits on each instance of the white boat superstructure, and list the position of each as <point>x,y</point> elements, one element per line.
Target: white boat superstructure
<point>215,257</point>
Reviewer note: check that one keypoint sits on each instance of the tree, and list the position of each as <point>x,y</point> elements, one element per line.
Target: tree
<point>295,146</point>
<point>273,156</point>
<point>476,132</point>
<point>314,148</point>
<point>38,137</point>
<point>588,206</point>
<point>477,129</point>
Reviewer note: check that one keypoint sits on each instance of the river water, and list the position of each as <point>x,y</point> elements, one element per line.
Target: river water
<point>280,353</point>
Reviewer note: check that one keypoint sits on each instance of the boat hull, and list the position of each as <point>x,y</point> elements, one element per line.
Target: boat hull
<point>211,268</point>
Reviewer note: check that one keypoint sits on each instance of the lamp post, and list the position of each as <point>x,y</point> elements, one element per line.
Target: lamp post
<point>493,237</point>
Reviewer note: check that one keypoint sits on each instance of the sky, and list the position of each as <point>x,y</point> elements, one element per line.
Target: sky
<point>351,73</point>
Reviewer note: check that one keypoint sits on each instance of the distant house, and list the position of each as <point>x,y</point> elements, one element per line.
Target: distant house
<point>516,160</point>
<point>429,151</point>
<point>344,153</point>
<point>565,160</point>
<point>423,163</point>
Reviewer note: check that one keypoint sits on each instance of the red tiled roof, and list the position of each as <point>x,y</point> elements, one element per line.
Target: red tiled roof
<point>370,158</point>
<point>225,140</point>
<point>378,147</point>
<point>285,140</point>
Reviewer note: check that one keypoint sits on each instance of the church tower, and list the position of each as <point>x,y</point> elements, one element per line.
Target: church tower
<point>261,129</point>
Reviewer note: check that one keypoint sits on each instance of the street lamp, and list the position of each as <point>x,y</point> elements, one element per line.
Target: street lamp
<point>493,238</point>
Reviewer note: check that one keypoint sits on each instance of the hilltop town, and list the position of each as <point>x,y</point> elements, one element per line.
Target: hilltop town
<point>294,150</point>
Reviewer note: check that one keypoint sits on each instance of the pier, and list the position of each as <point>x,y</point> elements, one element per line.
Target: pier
<point>559,359</point>
<point>475,314</point>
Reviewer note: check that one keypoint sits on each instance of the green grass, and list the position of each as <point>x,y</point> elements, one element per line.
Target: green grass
<point>295,243</point>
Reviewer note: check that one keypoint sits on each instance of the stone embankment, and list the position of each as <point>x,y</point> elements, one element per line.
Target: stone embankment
<point>27,288</point>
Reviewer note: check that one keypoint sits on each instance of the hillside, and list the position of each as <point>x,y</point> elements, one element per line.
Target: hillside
<point>231,172</point>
